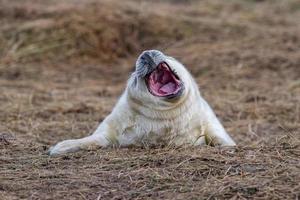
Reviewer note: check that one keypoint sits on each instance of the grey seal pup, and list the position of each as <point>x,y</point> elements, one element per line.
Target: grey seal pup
<point>160,105</point>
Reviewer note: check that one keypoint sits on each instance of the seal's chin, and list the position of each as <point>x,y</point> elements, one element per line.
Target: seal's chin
<point>163,82</point>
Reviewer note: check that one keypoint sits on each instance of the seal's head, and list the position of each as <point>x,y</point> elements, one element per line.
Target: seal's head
<point>159,77</point>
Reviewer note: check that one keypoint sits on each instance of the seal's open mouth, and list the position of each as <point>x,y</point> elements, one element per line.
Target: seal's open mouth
<point>163,82</point>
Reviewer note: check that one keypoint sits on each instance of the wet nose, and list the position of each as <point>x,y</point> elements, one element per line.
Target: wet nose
<point>152,57</point>
<point>148,60</point>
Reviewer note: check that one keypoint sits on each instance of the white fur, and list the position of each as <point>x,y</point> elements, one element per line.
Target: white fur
<point>140,118</point>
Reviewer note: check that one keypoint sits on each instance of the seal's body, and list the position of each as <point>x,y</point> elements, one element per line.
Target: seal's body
<point>161,105</point>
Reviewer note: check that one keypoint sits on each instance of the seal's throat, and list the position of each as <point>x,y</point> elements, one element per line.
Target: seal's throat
<point>163,81</point>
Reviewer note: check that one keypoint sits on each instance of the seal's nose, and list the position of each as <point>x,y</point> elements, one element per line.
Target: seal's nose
<point>147,61</point>
<point>152,57</point>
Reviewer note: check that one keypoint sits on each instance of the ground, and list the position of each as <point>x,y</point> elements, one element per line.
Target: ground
<point>63,65</point>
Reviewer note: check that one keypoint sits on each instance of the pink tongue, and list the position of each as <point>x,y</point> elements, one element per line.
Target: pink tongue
<point>168,88</point>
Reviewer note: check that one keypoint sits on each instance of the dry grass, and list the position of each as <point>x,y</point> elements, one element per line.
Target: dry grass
<point>64,64</point>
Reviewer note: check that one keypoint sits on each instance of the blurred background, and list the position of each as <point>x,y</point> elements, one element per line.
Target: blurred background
<point>63,65</point>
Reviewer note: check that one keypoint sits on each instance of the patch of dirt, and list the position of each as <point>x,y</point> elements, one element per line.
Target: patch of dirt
<point>63,66</point>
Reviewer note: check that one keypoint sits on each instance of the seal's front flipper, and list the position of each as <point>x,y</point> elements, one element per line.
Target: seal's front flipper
<point>71,146</point>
